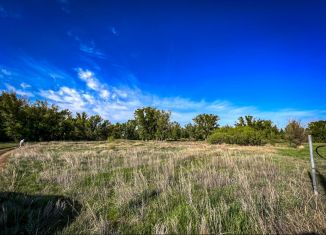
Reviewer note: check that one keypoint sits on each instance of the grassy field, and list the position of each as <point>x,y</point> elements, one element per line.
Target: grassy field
<point>8,145</point>
<point>160,187</point>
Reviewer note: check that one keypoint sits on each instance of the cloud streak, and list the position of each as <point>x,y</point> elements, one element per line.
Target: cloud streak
<point>89,48</point>
<point>18,91</point>
<point>25,85</point>
<point>93,83</point>
<point>4,72</point>
<point>120,104</point>
<point>28,72</point>
<point>68,98</point>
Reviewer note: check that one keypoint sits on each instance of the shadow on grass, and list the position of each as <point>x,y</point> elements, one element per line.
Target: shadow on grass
<point>321,181</point>
<point>144,198</point>
<point>311,181</point>
<point>36,214</point>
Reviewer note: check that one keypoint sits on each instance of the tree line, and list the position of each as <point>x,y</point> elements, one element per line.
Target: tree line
<point>39,121</point>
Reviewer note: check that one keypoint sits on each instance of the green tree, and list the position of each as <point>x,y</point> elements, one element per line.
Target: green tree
<point>246,121</point>
<point>205,124</point>
<point>175,131</point>
<point>294,133</point>
<point>116,131</point>
<point>103,130</point>
<point>318,130</point>
<point>44,121</point>
<point>129,130</point>
<point>3,134</point>
<point>152,123</point>
<point>66,126</point>
<point>93,124</point>
<point>189,131</point>
<point>146,122</point>
<point>13,114</point>
<point>241,122</point>
<point>40,121</point>
<point>162,125</point>
<point>80,126</point>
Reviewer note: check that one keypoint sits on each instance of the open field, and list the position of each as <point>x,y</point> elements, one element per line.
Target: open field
<point>8,145</point>
<point>160,187</point>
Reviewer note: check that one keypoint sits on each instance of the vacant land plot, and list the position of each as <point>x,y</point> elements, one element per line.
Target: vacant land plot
<point>159,187</point>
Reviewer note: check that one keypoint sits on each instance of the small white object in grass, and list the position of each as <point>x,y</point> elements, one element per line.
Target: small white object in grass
<point>21,143</point>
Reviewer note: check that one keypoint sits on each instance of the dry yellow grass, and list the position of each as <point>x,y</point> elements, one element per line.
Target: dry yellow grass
<point>171,187</point>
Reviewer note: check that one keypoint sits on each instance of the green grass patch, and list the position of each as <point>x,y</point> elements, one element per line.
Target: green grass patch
<point>7,145</point>
<point>302,153</point>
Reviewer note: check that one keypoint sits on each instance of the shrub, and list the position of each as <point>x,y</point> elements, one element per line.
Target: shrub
<point>237,135</point>
<point>294,133</point>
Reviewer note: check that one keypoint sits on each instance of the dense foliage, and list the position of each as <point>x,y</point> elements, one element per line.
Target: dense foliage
<point>152,123</point>
<point>294,133</point>
<point>318,130</point>
<point>40,121</point>
<point>266,128</point>
<point>205,124</point>
<point>241,135</point>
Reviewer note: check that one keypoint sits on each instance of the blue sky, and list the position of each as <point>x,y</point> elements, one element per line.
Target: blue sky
<point>230,58</point>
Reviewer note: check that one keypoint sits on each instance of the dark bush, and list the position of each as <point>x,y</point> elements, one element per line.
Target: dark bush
<point>237,135</point>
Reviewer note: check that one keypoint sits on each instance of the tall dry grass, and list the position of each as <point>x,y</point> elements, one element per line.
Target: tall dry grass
<point>171,187</point>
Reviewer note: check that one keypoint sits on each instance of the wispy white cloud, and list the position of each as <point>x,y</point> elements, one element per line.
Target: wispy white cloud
<point>91,50</point>
<point>25,85</point>
<point>81,100</point>
<point>89,98</point>
<point>5,72</point>
<point>121,103</point>
<point>88,77</point>
<point>42,69</point>
<point>104,94</point>
<point>18,91</point>
<point>29,72</point>
<point>68,98</point>
<point>93,83</point>
<point>118,103</point>
<point>88,47</point>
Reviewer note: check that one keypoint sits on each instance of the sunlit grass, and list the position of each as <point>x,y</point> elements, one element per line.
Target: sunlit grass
<point>172,187</point>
